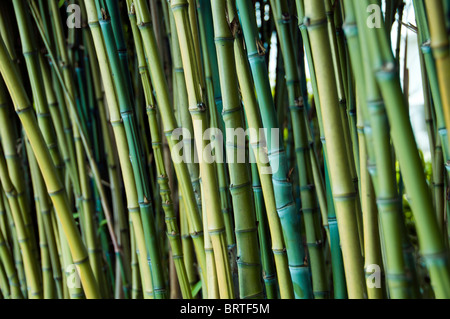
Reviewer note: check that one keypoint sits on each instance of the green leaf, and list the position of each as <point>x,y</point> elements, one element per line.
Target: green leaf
<point>61,3</point>
<point>196,288</point>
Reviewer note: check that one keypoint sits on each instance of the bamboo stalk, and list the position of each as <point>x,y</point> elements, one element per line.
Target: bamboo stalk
<point>8,264</point>
<point>286,208</point>
<point>211,72</point>
<point>122,145</point>
<point>53,183</point>
<point>382,62</point>
<point>169,124</point>
<point>250,285</point>
<point>341,180</point>
<point>165,192</point>
<point>440,46</point>
<point>198,108</point>
<point>309,203</point>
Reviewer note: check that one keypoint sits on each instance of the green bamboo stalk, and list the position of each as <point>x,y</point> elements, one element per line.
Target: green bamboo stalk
<point>136,286</point>
<point>23,237</point>
<point>187,246</point>
<point>249,265</point>
<point>195,33</point>
<point>318,178</point>
<point>116,23</point>
<point>4,286</point>
<point>44,209</point>
<point>4,227</point>
<point>169,124</point>
<point>198,108</point>
<point>267,259</point>
<point>257,143</point>
<point>73,139</point>
<point>324,191</point>
<point>339,69</point>
<point>437,156</point>
<point>47,283</point>
<point>309,203</point>
<point>286,208</point>
<point>440,46</point>
<point>121,143</point>
<point>83,75</point>
<point>206,30</point>
<point>431,71</point>
<point>380,162</point>
<point>163,181</point>
<point>372,248</point>
<point>431,243</point>
<point>185,118</point>
<point>136,157</point>
<point>9,138</point>
<point>18,261</point>
<point>212,291</point>
<point>8,263</point>
<point>54,186</point>
<point>336,42</point>
<point>341,180</point>
<point>110,153</point>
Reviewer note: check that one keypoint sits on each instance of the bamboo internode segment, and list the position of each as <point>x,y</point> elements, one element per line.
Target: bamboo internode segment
<point>224,149</point>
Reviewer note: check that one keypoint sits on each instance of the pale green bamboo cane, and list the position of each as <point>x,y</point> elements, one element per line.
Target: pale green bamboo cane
<point>45,210</point>
<point>309,204</point>
<point>9,142</point>
<point>440,45</point>
<point>23,237</point>
<point>123,236</point>
<point>198,109</point>
<point>121,143</point>
<point>125,101</point>
<point>46,269</point>
<point>163,180</point>
<point>187,246</point>
<point>206,35</point>
<point>249,264</point>
<point>18,261</point>
<point>282,186</point>
<point>262,160</point>
<point>343,189</point>
<point>8,262</point>
<point>79,134</point>
<point>211,269</point>
<point>54,186</point>
<point>430,239</point>
<point>169,125</point>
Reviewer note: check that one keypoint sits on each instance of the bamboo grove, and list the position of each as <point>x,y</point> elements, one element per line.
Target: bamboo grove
<point>147,150</point>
